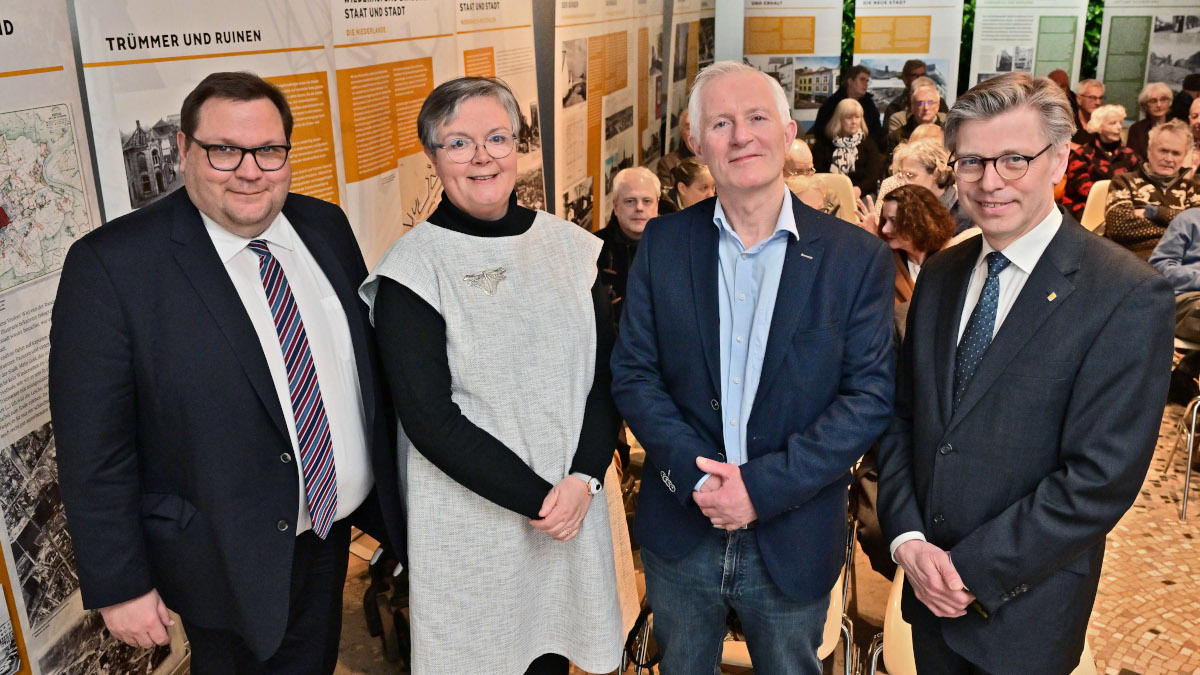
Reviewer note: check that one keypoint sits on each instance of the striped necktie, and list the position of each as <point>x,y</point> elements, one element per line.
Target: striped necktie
<point>312,426</point>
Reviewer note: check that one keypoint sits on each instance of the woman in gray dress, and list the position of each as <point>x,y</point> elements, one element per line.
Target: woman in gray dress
<point>495,337</point>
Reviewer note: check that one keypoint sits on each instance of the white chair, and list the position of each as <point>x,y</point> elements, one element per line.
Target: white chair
<point>1093,210</point>
<point>843,189</point>
<point>1189,413</point>
<point>963,236</point>
<point>895,642</point>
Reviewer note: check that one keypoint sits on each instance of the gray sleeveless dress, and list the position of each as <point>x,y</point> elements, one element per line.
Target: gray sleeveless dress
<point>488,592</point>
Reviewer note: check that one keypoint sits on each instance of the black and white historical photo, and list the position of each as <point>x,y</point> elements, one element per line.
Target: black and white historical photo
<point>151,153</point>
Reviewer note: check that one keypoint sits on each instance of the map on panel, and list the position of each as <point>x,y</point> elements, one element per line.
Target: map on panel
<point>43,205</point>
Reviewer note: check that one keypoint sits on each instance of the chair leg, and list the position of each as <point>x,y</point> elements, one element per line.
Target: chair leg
<point>1180,428</point>
<point>873,653</point>
<point>1187,476</point>
<point>848,637</point>
<point>643,646</point>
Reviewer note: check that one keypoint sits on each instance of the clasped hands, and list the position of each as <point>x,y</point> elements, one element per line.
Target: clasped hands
<point>563,509</point>
<point>933,578</point>
<point>722,498</point>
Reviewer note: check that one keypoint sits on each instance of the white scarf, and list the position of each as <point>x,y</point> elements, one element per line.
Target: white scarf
<point>845,153</point>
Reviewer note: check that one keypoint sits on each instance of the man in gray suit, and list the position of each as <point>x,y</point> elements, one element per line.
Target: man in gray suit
<point>1029,396</point>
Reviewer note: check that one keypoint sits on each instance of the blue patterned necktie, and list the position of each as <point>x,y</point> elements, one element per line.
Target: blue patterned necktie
<point>978,333</point>
<point>312,427</point>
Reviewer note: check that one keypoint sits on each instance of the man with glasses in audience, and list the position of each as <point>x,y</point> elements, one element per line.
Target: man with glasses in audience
<point>799,160</point>
<point>1090,95</point>
<point>1030,389</point>
<point>923,109</point>
<point>216,403</point>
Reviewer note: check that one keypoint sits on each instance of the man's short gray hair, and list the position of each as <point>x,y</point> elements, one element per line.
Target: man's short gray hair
<point>442,104</point>
<point>625,175</point>
<point>1178,127</point>
<point>1013,91</point>
<point>1084,84</point>
<point>720,69</point>
<point>1103,115</point>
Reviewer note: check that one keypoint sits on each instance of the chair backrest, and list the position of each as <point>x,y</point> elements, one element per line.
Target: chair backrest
<point>964,235</point>
<point>843,189</point>
<point>897,638</point>
<point>1093,210</point>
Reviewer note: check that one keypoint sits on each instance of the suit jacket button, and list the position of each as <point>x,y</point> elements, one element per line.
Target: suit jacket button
<point>946,449</point>
<point>282,525</point>
<point>715,405</point>
<point>938,519</point>
<point>285,457</point>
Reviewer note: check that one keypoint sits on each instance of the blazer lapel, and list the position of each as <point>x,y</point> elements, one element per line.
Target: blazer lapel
<point>800,265</point>
<point>198,259</point>
<point>347,292</point>
<point>1030,310</point>
<point>951,299</point>
<point>703,255</point>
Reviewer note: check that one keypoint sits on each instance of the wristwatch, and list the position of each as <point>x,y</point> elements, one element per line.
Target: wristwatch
<point>594,485</point>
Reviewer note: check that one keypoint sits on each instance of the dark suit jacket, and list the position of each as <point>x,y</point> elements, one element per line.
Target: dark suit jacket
<point>824,396</point>
<point>169,430</point>
<point>1046,450</point>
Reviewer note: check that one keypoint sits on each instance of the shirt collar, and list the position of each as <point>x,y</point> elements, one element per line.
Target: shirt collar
<point>228,244</point>
<point>1027,250</point>
<point>786,221</point>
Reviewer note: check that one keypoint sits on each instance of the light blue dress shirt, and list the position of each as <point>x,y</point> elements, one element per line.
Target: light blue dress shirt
<point>748,283</point>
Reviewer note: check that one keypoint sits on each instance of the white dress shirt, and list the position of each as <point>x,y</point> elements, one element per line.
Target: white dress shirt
<point>329,341</point>
<point>1024,254</point>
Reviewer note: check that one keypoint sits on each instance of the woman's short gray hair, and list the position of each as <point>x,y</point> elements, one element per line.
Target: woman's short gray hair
<point>1012,91</point>
<point>442,104</point>
<point>1103,115</point>
<point>843,108</point>
<point>930,154</point>
<point>1148,92</point>
<point>720,69</point>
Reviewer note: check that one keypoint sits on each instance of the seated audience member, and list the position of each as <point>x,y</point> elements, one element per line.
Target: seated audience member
<point>1101,157</point>
<point>844,147</point>
<point>927,132</point>
<point>1063,80</point>
<point>669,160</point>
<point>1142,202</point>
<point>923,109</point>
<point>635,202</point>
<point>1194,123</point>
<point>1090,95</point>
<point>913,69</point>
<point>690,183</point>
<point>854,85</point>
<point>924,163</point>
<point>1182,104</point>
<point>916,225</point>
<point>1155,103</point>
<point>814,192</point>
<point>1177,256</point>
<point>799,160</point>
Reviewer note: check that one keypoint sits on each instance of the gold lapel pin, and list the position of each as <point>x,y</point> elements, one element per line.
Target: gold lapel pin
<point>1052,296</point>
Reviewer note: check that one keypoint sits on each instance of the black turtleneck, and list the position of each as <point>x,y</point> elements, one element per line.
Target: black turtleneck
<point>412,345</point>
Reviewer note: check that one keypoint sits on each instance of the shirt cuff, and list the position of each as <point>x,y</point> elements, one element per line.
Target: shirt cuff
<point>907,536</point>
<point>701,482</point>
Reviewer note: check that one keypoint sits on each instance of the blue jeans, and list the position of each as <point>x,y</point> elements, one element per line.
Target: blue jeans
<point>692,595</point>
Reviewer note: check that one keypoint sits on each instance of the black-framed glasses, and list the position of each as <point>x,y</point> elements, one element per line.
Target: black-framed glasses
<point>462,150</point>
<point>225,157</point>
<point>1012,166</point>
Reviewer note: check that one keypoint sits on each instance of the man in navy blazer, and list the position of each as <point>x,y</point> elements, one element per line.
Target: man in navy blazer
<point>173,407</point>
<point>755,366</point>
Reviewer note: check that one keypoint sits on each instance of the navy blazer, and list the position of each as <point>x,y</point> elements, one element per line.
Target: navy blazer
<point>1047,449</point>
<point>824,397</point>
<point>174,457</point>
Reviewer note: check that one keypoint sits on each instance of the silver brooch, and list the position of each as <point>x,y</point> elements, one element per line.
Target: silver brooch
<point>488,280</point>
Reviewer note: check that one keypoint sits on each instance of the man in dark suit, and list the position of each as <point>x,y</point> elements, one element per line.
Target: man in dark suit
<point>1029,395</point>
<point>214,392</point>
<point>755,366</point>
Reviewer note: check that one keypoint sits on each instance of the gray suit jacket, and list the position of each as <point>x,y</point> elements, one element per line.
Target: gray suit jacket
<point>1047,449</point>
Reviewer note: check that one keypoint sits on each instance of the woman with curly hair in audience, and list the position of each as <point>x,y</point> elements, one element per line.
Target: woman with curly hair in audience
<point>1155,104</point>
<point>916,225</point>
